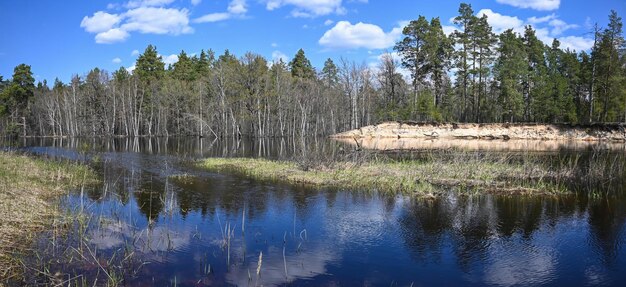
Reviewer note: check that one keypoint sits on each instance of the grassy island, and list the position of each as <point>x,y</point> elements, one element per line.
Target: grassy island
<point>467,172</point>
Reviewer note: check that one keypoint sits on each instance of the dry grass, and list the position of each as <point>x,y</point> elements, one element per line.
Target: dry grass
<point>28,188</point>
<point>420,177</point>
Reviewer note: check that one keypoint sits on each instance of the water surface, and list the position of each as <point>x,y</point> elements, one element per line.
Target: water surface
<point>210,229</point>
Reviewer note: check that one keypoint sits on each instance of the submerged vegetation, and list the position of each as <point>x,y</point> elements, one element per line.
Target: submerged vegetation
<point>28,188</point>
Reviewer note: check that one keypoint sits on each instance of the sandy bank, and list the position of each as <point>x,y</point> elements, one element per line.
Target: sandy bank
<point>559,132</point>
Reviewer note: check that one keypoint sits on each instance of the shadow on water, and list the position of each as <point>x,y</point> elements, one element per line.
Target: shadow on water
<point>147,228</point>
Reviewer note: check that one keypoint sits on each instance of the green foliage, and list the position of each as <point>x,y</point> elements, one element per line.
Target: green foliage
<point>183,69</point>
<point>18,91</point>
<point>301,67</point>
<point>509,71</point>
<point>330,74</point>
<point>610,79</point>
<point>150,66</point>
<point>413,51</point>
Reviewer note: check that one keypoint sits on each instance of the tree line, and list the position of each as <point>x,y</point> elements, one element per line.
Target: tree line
<point>472,75</point>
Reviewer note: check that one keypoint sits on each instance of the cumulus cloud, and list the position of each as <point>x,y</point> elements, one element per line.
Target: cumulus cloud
<point>213,17</point>
<point>278,55</point>
<point>147,3</point>
<point>112,36</point>
<point>547,28</point>
<point>116,60</point>
<point>169,59</point>
<point>112,28</point>
<point>328,22</point>
<point>541,5</point>
<point>235,8</point>
<point>538,20</point>
<point>344,35</point>
<point>500,22</point>
<point>150,20</point>
<point>576,43</point>
<point>308,8</point>
<point>559,26</point>
<point>448,30</point>
<point>100,22</point>
<point>134,53</point>
<point>195,2</point>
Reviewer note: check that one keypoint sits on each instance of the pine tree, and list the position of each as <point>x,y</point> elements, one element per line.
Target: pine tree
<point>484,40</point>
<point>413,51</point>
<point>609,57</point>
<point>301,66</point>
<point>150,66</point>
<point>534,79</point>
<point>466,21</point>
<point>439,50</point>
<point>183,69</point>
<point>509,71</point>
<point>330,74</point>
<point>20,89</point>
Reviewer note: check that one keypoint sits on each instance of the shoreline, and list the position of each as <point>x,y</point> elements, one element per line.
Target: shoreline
<point>27,202</point>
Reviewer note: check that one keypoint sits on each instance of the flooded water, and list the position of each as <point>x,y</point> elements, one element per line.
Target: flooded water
<point>209,229</point>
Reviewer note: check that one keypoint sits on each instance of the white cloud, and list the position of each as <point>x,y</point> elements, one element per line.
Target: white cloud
<point>559,26</point>
<point>547,28</point>
<point>112,28</point>
<point>541,5</point>
<point>360,35</point>
<point>213,17</point>
<point>147,3</point>
<point>576,43</point>
<point>150,20</point>
<point>278,55</point>
<point>100,22</point>
<point>112,36</point>
<point>195,2</point>
<point>235,8</point>
<point>131,68</point>
<point>169,60</point>
<point>116,60</point>
<point>308,8</point>
<point>500,22</point>
<point>448,30</point>
<point>536,20</point>
<point>134,53</point>
<point>274,45</point>
<point>328,22</point>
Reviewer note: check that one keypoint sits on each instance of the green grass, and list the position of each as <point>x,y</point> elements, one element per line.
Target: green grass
<point>28,188</point>
<point>419,177</point>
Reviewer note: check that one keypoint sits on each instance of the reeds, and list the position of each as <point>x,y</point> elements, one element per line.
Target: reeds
<point>28,188</point>
<point>426,174</point>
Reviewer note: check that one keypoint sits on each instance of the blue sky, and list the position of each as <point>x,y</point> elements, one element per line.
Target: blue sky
<point>62,38</point>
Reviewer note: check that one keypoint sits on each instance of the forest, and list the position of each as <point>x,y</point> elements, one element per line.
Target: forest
<point>472,75</point>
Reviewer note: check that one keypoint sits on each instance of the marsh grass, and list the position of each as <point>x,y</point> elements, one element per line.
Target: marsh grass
<point>424,175</point>
<point>29,188</point>
<point>431,172</point>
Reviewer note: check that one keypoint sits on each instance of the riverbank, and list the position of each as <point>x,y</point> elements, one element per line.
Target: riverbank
<point>557,132</point>
<point>467,172</point>
<point>28,189</point>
